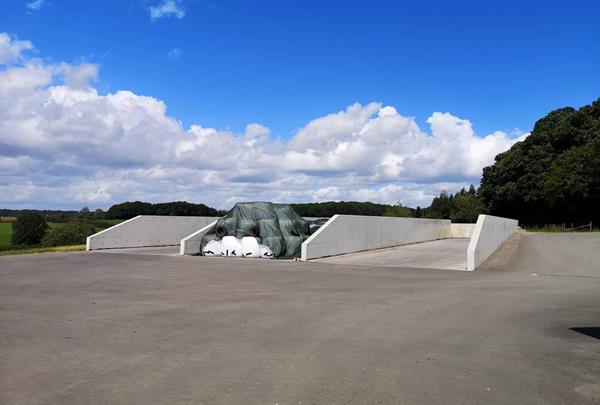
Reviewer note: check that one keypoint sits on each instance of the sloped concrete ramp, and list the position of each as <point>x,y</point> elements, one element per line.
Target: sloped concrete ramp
<point>444,254</point>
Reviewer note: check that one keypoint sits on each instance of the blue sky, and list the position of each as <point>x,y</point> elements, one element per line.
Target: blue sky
<point>502,64</point>
<point>226,64</point>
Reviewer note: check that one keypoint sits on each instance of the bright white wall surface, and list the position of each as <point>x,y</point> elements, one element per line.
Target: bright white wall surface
<point>190,245</point>
<point>147,230</point>
<point>353,233</point>
<point>462,230</point>
<point>490,232</point>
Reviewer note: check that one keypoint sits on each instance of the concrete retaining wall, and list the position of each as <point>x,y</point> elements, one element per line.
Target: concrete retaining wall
<point>147,230</point>
<point>352,233</point>
<point>190,245</point>
<point>489,233</point>
<point>462,230</point>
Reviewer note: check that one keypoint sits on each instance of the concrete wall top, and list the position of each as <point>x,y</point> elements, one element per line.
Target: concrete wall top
<point>147,230</point>
<point>354,233</point>
<point>489,233</point>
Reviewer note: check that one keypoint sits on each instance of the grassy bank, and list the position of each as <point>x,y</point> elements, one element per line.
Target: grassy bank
<point>30,250</point>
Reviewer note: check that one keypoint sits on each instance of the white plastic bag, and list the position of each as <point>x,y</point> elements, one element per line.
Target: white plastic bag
<point>250,247</point>
<point>212,248</point>
<point>231,246</point>
<point>265,252</point>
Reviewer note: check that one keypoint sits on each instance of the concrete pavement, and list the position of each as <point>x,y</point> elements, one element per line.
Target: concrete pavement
<point>145,329</point>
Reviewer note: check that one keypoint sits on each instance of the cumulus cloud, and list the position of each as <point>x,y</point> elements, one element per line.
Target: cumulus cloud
<point>11,48</point>
<point>167,8</point>
<point>64,144</point>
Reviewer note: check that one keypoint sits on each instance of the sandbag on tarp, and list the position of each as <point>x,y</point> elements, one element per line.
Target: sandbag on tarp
<point>277,227</point>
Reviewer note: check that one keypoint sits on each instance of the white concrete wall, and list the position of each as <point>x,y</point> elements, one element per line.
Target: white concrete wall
<point>353,233</point>
<point>190,245</point>
<point>490,232</point>
<point>462,230</point>
<point>147,230</point>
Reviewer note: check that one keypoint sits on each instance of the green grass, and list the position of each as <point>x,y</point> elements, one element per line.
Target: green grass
<point>30,250</point>
<point>5,234</point>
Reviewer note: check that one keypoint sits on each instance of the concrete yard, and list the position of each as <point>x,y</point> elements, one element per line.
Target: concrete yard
<point>102,328</point>
<point>448,254</point>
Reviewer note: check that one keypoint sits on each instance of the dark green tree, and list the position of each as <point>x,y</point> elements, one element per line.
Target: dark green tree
<point>441,206</point>
<point>398,211</point>
<point>466,206</point>
<point>29,229</point>
<point>73,232</point>
<point>550,176</point>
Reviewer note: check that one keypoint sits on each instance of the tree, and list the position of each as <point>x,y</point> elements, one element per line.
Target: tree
<point>572,186</point>
<point>441,206</point>
<point>28,230</point>
<point>85,213</point>
<point>466,207</point>
<point>129,209</point>
<point>398,211</point>
<point>73,232</point>
<point>552,175</point>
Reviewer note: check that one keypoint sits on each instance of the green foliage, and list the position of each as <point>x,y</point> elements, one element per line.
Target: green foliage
<point>464,206</point>
<point>398,211</point>
<point>29,229</point>
<point>104,223</point>
<point>129,209</point>
<point>551,176</point>
<point>72,233</point>
<point>330,208</point>
<point>441,206</point>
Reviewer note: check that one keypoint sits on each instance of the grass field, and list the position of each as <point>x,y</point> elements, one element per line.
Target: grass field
<point>5,234</point>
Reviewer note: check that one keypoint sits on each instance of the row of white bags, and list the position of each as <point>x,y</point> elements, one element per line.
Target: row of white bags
<point>248,246</point>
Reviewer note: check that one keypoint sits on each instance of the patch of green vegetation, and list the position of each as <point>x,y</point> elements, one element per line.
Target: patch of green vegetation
<point>5,234</point>
<point>37,249</point>
<point>557,229</point>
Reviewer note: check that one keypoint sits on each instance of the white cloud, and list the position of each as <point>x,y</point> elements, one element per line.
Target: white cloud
<point>174,53</point>
<point>80,76</point>
<point>11,48</point>
<point>64,144</point>
<point>35,5</point>
<point>167,8</point>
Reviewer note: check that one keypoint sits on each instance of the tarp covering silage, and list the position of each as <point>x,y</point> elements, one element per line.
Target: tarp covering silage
<point>275,226</point>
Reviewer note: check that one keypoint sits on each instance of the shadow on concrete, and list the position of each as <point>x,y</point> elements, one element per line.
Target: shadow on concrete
<point>591,331</point>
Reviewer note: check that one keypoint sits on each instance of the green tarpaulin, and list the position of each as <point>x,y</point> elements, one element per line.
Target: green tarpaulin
<point>276,226</point>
